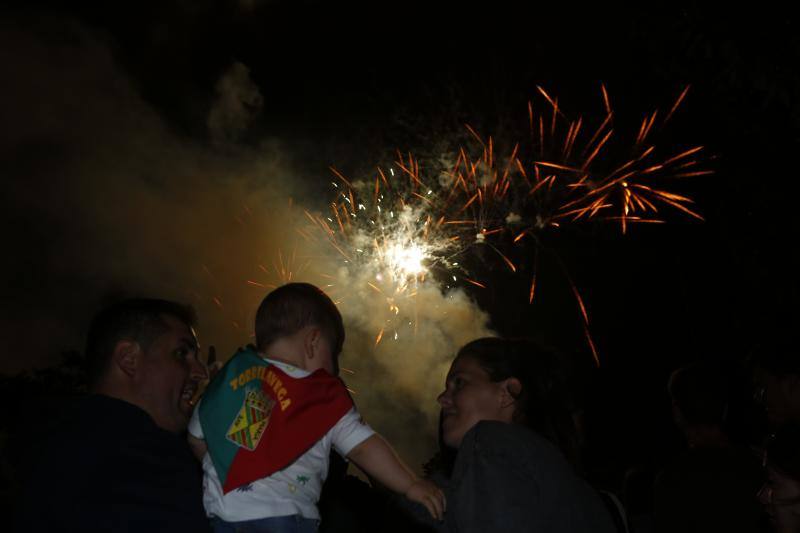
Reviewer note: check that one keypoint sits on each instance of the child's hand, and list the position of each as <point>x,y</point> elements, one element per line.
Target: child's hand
<point>213,366</point>
<point>429,495</point>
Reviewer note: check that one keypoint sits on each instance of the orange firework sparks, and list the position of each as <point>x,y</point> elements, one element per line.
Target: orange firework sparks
<point>499,195</point>
<point>600,192</point>
<point>572,178</point>
<point>592,347</point>
<point>476,283</point>
<point>406,225</point>
<point>533,289</point>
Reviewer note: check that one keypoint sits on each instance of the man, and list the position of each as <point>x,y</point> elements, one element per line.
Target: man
<point>776,377</point>
<point>120,461</point>
<point>710,485</point>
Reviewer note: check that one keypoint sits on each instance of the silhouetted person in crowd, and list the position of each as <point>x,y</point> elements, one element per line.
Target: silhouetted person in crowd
<point>776,378</point>
<point>120,462</point>
<point>712,485</point>
<point>780,494</point>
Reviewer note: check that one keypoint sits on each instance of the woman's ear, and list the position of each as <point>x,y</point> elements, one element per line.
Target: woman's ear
<point>511,391</point>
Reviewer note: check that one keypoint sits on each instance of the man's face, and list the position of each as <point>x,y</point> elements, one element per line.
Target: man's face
<point>169,374</point>
<point>780,496</point>
<point>779,396</point>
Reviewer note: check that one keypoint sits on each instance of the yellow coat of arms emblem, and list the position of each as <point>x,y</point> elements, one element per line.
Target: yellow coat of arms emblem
<point>251,420</point>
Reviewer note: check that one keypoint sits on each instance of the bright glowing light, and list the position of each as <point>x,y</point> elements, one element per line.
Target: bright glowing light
<point>405,260</point>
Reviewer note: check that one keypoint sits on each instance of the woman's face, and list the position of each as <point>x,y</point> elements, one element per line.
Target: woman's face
<point>780,497</point>
<point>469,397</point>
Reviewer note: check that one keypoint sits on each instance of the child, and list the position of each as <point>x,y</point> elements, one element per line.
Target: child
<point>265,426</point>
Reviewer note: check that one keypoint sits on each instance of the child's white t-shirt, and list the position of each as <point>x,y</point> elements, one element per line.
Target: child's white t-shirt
<point>293,490</point>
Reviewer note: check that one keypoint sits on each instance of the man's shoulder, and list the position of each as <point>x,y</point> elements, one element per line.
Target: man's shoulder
<point>96,420</point>
<point>81,450</point>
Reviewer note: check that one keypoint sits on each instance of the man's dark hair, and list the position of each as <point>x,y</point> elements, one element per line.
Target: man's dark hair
<point>700,391</point>
<point>140,320</point>
<point>293,306</point>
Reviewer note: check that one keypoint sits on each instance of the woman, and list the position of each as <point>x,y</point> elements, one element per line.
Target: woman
<point>505,412</point>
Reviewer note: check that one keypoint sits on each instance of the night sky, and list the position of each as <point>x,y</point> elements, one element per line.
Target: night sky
<point>117,178</point>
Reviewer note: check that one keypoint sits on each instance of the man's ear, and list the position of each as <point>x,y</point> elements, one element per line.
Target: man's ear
<point>126,356</point>
<point>511,391</point>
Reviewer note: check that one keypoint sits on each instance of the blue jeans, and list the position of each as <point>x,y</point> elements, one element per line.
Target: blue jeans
<point>274,524</point>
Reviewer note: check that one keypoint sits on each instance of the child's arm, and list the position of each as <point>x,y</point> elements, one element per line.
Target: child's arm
<point>194,434</point>
<point>377,458</point>
<point>198,446</point>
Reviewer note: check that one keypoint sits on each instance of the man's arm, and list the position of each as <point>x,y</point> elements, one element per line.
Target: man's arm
<point>377,458</point>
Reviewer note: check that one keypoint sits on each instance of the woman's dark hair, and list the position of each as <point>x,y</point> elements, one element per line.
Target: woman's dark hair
<point>544,403</point>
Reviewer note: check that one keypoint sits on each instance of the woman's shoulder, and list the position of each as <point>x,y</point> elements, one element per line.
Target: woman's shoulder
<point>490,436</point>
<point>501,430</point>
<point>511,450</point>
<point>517,476</point>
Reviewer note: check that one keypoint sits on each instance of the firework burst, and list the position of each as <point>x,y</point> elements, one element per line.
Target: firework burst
<point>569,173</point>
<point>402,227</point>
<point>385,235</point>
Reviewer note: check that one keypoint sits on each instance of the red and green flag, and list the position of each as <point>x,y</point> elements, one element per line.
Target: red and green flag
<point>257,419</point>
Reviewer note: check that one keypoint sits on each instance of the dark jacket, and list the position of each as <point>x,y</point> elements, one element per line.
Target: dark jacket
<point>507,478</point>
<point>708,489</point>
<point>108,467</point>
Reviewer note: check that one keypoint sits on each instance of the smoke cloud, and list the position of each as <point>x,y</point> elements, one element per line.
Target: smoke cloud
<point>238,103</point>
<point>102,197</point>
<point>400,378</point>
